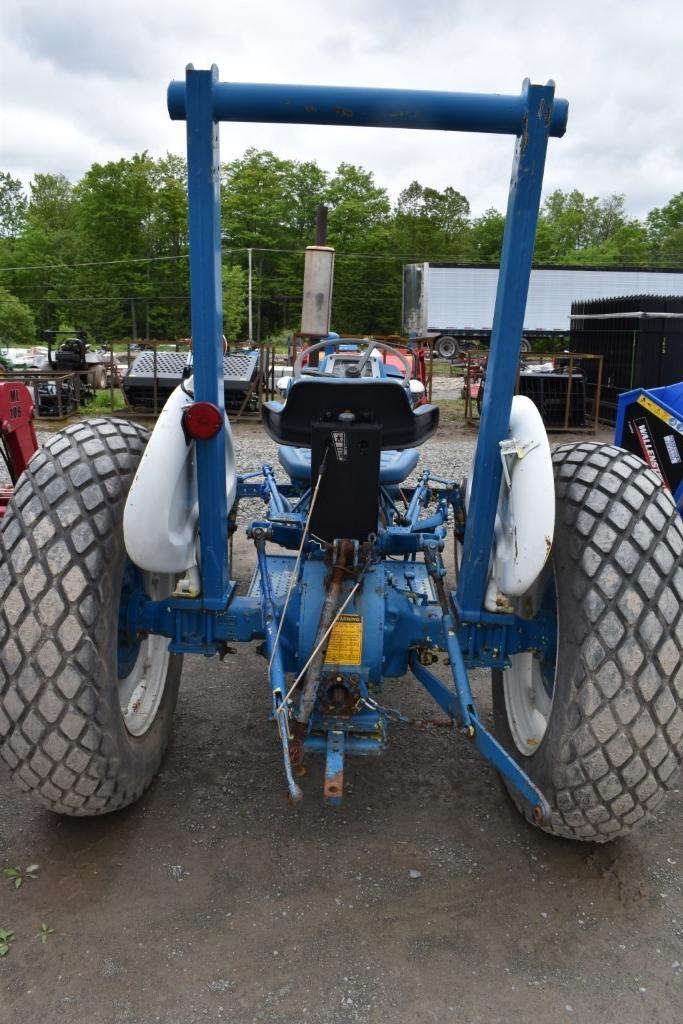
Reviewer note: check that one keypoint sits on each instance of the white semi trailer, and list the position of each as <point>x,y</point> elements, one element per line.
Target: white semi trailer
<point>454,304</point>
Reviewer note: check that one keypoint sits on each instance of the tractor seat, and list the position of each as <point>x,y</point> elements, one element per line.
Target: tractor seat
<point>394,466</point>
<point>381,404</point>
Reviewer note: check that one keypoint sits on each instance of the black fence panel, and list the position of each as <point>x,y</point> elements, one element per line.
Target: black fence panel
<point>639,351</point>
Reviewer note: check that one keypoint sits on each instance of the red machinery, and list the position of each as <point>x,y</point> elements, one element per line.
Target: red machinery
<point>419,356</point>
<point>18,441</point>
<point>416,354</point>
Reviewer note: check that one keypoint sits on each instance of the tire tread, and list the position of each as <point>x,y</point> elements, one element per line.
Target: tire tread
<point>624,741</point>
<point>55,541</point>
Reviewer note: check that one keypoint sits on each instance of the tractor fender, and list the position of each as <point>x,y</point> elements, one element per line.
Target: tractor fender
<point>525,521</point>
<point>161,516</point>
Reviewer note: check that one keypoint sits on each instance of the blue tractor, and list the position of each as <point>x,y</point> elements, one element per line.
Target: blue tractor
<point>116,546</point>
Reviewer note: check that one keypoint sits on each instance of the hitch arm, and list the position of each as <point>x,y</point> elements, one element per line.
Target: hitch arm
<point>486,744</point>
<point>277,674</point>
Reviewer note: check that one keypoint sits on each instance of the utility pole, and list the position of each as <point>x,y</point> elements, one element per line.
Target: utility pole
<point>251,325</point>
<point>133,322</point>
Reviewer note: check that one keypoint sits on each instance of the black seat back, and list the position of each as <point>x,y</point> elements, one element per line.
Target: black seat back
<point>382,403</point>
<point>348,423</point>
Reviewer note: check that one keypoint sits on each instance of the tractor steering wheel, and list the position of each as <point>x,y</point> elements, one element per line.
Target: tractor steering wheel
<point>336,342</point>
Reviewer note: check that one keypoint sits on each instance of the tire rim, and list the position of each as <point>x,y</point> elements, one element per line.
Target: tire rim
<point>142,664</point>
<point>529,682</point>
<point>447,347</point>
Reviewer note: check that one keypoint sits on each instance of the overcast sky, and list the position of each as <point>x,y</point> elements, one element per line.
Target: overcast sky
<point>86,81</point>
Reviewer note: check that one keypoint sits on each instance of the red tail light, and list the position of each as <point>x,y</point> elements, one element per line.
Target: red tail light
<point>202,420</point>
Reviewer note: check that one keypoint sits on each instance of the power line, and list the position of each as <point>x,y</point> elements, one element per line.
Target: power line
<point>106,263</point>
<point>117,298</point>
<point>255,249</point>
<point>668,262</point>
<point>93,263</point>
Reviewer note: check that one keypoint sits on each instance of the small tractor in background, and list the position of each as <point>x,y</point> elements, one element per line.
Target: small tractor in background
<point>117,557</point>
<point>74,355</point>
<point>64,395</point>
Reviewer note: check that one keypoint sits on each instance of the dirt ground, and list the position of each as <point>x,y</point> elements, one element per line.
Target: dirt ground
<point>424,898</point>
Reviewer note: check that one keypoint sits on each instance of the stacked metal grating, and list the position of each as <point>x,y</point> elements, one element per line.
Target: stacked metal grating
<point>640,338</point>
<point>143,394</point>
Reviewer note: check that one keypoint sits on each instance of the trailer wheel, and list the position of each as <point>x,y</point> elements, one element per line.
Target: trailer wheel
<point>85,710</point>
<point>447,347</point>
<point>597,720</point>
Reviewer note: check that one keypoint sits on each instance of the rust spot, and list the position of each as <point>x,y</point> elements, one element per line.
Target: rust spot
<point>343,112</point>
<point>333,786</point>
<point>296,746</point>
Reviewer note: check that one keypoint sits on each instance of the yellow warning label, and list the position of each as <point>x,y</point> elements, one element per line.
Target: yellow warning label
<point>652,407</point>
<point>346,642</point>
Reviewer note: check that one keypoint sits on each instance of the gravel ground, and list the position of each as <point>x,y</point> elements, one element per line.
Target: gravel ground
<point>445,459</point>
<point>253,448</point>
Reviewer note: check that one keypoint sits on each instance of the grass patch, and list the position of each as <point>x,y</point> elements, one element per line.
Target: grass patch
<point>102,403</point>
<point>451,410</point>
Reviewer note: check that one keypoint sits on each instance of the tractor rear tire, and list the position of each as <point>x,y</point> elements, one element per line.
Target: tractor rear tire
<point>63,731</point>
<point>605,735</point>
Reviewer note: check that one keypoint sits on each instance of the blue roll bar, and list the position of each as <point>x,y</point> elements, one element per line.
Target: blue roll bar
<point>367,108</point>
<point>202,100</point>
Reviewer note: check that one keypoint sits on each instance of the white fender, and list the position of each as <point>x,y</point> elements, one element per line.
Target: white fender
<point>525,521</point>
<point>162,511</point>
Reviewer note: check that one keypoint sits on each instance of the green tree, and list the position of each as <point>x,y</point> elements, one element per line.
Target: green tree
<point>569,217</point>
<point>46,248</point>
<point>671,251</point>
<point>356,205</point>
<point>359,227</point>
<point>51,204</point>
<point>574,224</point>
<point>234,301</point>
<point>269,204</point>
<point>12,206</point>
<point>253,201</point>
<point>428,222</point>
<point>628,246</point>
<point>486,236</point>
<point>168,245</point>
<point>114,215</point>
<point>17,326</point>
<point>131,221</point>
<point>665,230</point>
<point>112,249</point>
